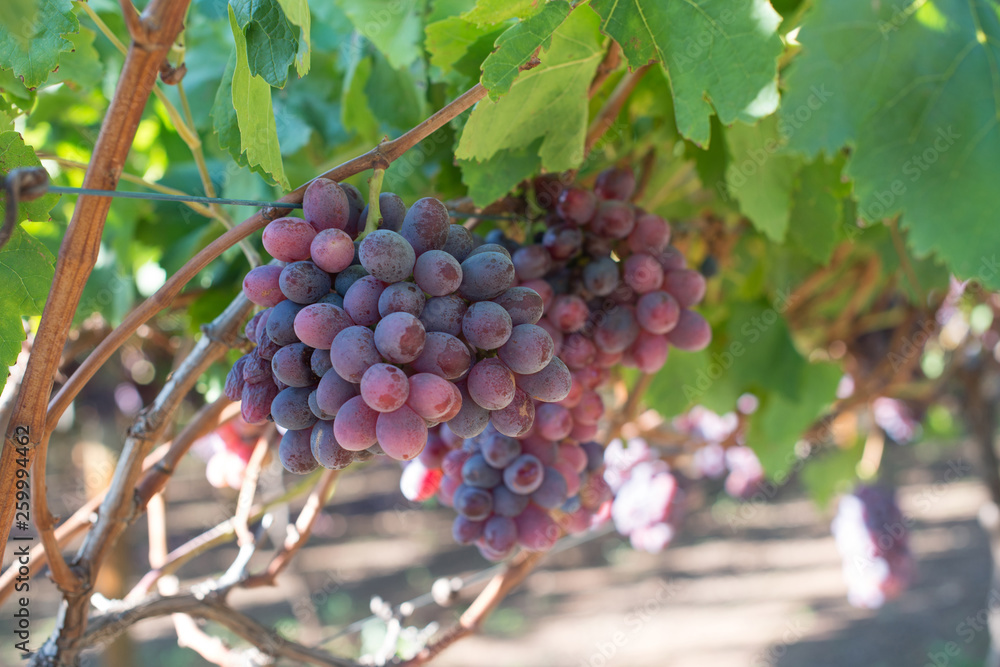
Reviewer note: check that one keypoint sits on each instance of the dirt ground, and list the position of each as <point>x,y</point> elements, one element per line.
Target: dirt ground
<point>754,584</point>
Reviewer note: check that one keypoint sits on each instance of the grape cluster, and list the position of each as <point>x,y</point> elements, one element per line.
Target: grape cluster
<point>362,345</point>
<point>713,459</point>
<point>647,500</point>
<point>873,540</point>
<point>510,492</point>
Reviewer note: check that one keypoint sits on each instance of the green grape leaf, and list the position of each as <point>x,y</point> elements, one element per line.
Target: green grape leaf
<point>82,69</point>
<point>489,181</point>
<point>669,397</point>
<point>917,97</point>
<point>827,475</point>
<point>26,270</point>
<point>14,153</point>
<point>490,12</point>
<point>757,349</point>
<point>760,176</point>
<point>549,101</point>
<point>407,106</point>
<point>33,47</point>
<point>817,209</point>
<point>781,421</point>
<point>395,27</point>
<point>297,12</point>
<point>270,44</point>
<point>517,45</point>
<point>254,114</point>
<point>721,55</point>
<point>355,110</point>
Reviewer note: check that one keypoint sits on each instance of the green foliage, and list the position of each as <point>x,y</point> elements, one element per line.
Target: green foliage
<point>270,45</point>
<point>516,47</point>
<point>32,41</point>
<point>393,26</point>
<point>721,56</point>
<point>26,269</point>
<point>916,94</point>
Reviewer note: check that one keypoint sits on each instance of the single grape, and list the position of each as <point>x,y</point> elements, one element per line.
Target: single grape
<point>261,285</point>
<point>692,332</point>
<point>256,369</point>
<point>577,205</point>
<point>571,480</point>
<point>491,384</point>
<point>453,461</point>
<point>295,452</point>
<point>384,387</point>
<point>651,234</point>
<point>402,433</point>
<point>643,273</point>
<point>387,256</point>
<point>578,351</point>
<point>325,448</point>
<point>649,351</point>
<point>304,282</point>
<point>402,297</point>
<point>325,205</point>
<point>554,333</point>
<point>562,241</point>
<point>552,492</point>
<point>432,397</point>
<point>523,304</point>
<point>657,312</point>
<point>460,242</point>
<point>353,352</point>
<point>348,277</point>
<point>617,330</point>
<point>356,204</point>
<point>500,533</point>
<point>473,503</point>
<point>685,285</point>
<point>531,262</point>
<point>486,325</point>
<point>316,410</point>
<point>400,338</point>
<point>508,503</point>
<point>544,450</point>
<point>542,289</point>
<point>477,472</point>
<point>590,409</point>
<point>444,314</point>
<point>554,421</point>
<point>569,312</point>
<point>290,408</point>
<point>234,380</point>
<point>466,531</point>
<point>582,432</point>
<point>615,183</point>
<point>443,355</point>
<point>613,219</point>
<point>528,350</point>
<point>524,474</point>
<point>437,273</point>
<point>280,326</point>
<point>575,394</point>
<point>446,493</point>
<point>318,324</point>
<point>258,321</point>
<point>549,385</point>
<point>436,449</point>
<point>292,365</point>
<point>333,391</point>
<point>391,208</point>
<point>671,259</point>
<point>500,450</point>
<point>354,427</point>
<point>288,239</point>
<point>595,455</point>
<point>517,418</point>
<point>536,530</point>
<point>332,250</point>
<point>574,455</point>
<point>426,225</point>
<point>486,276</point>
<point>491,247</point>
<point>361,300</point>
<point>471,419</point>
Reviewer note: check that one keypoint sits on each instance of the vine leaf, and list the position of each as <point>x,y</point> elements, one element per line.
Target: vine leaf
<point>817,211</point>
<point>297,13</point>
<point>251,100</point>
<point>720,54</point>
<point>355,111</point>
<point>917,96</point>
<point>14,153</point>
<point>31,45</point>
<point>490,12</point>
<point>395,27</point>
<point>26,270</point>
<point>491,180</point>
<point>271,46</point>
<point>549,102</point>
<point>517,45</point>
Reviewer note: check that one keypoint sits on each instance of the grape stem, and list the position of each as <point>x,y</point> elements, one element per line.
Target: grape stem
<point>374,219</point>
